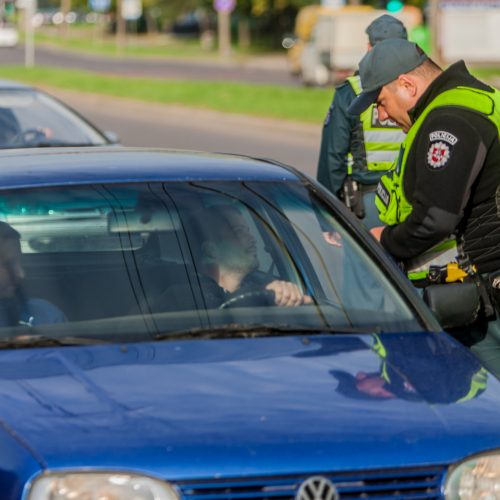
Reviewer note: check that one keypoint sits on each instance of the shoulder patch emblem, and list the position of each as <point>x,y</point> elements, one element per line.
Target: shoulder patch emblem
<point>442,135</point>
<point>438,155</point>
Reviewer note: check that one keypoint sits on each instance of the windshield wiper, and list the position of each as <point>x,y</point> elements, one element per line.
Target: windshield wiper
<point>43,341</point>
<point>238,330</point>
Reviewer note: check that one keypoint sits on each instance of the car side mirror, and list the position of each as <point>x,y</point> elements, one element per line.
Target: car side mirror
<point>112,137</point>
<point>453,304</point>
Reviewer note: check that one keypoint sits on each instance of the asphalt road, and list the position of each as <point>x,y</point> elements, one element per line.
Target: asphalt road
<point>268,70</point>
<point>153,125</point>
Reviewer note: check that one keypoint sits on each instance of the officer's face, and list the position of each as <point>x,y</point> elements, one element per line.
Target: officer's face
<point>394,102</point>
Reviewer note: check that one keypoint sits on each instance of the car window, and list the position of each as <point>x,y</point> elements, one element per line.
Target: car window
<point>205,205</point>
<point>30,118</point>
<point>326,254</point>
<point>131,262</point>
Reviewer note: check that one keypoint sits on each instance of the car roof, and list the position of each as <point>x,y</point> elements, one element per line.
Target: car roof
<point>10,84</point>
<point>113,164</point>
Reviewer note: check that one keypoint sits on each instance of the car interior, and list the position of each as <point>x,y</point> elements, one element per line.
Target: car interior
<point>121,268</point>
<point>124,254</point>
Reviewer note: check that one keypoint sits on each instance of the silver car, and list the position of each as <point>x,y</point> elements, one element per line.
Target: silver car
<point>31,118</point>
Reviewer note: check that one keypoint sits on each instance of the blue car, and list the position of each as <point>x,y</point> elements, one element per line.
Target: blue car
<point>194,326</point>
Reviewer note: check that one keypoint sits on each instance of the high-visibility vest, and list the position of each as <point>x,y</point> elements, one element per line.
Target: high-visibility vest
<point>381,140</point>
<point>391,201</point>
<point>478,381</point>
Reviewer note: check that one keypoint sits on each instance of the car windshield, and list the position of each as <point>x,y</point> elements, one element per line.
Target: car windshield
<point>185,259</point>
<point>29,118</point>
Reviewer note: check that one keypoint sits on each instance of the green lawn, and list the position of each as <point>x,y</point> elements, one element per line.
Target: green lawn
<point>87,41</point>
<point>295,104</point>
<point>92,39</point>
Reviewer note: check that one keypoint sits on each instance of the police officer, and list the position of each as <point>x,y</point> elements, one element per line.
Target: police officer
<point>356,151</point>
<point>443,198</point>
<point>454,377</point>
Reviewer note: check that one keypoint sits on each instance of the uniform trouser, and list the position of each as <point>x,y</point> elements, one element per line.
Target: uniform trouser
<point>487,350</point>
<point>370,219</point>
<point>483,339</point>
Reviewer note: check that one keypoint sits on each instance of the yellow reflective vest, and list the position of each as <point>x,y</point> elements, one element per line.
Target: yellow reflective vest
<point>382,140</point>
<point>391,201</point>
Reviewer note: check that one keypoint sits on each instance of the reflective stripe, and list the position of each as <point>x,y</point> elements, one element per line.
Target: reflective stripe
<point>384,135</point>
<point>350,163</point>
<point>381,144</point>
<point>377,156</point>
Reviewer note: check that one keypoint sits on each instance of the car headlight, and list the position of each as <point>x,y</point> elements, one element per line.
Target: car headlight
<point>111,486</point>
<point>478,477</point>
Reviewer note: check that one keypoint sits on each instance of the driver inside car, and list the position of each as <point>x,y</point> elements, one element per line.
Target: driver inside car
<point>9,127</point>
<point>12,134</point>
<point>15,307</point>
<point>228,267</point>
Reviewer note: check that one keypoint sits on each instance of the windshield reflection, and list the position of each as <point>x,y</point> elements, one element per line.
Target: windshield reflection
<point>415,368</point>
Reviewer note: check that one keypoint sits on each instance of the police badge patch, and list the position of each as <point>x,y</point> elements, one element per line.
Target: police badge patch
<point>439,153</point>
<point>442,135</point>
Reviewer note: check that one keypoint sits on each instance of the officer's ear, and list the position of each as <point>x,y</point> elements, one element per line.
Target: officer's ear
<point>409,83</point>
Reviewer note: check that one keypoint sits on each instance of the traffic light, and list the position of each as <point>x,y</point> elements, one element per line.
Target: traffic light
<point>394,5</point>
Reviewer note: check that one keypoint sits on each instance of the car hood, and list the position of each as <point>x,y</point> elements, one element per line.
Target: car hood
<point>249,406</point>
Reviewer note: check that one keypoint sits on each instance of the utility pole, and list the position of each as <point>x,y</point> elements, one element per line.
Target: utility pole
<point>224,9</point>
<point>120,27</point>
<point>65,9</point>
<point>29,33</point>
<point>224,34</point>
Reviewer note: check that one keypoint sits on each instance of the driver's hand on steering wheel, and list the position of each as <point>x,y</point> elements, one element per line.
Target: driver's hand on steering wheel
<point>287,294</point>
<point>47,132</point>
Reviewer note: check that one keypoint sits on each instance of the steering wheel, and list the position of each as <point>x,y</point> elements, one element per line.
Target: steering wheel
<point>28,137</point>
<point>254,298</point>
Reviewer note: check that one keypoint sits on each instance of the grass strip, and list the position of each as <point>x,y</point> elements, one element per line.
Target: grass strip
<point>92,40</point>
<point>88,43</point>
<point>287,103</point>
